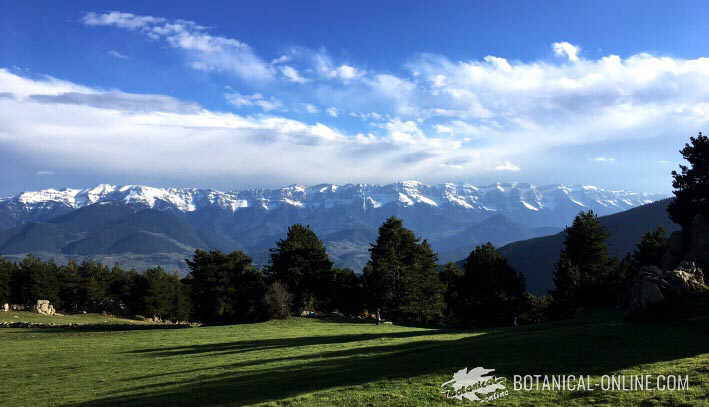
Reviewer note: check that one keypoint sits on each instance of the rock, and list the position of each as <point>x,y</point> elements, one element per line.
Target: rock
<point>645,290</point>
<point>654,287</point>
<point>44,307</point>
<point>686,278</point>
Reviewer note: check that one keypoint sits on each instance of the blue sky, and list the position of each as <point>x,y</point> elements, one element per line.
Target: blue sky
<point>232,95</point>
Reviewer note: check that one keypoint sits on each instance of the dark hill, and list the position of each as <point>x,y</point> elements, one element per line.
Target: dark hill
<point>535,258</point>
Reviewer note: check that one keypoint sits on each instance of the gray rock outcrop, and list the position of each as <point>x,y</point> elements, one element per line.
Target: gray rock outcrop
<point>44,307</point>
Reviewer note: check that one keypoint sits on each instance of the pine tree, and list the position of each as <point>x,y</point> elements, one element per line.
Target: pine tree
<point>651,248</point>
<point>691,184</point>
<point>583,274</point>
<point>422,289</point>
<point>70,287</point>
<point>301,263</point>
<point>93,285</point>
<point>491,292</point>
<point>226,287</point>
<point>348,295</point>
<point>35,280</point>
<point>402,274</point>
<point>451,277</point>
<point>6,270</point>
<point>565,293</point>
<point>164,296</point>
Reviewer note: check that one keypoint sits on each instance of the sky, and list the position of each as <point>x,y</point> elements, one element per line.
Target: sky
<point>232,95</point>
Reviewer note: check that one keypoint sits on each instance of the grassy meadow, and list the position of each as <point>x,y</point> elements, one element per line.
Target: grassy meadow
<point>309,362</point>
<point>82,319</point>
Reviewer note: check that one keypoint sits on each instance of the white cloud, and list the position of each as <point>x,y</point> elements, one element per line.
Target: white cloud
<point>44,173</point>
<point>202,144</point>
<point>281,59</point>
<point>204,51</point>
<point>498,110</point>
<point>507,166</point>
<point>604,159</point>
<point>257,99</point>
<point>324,64</point>
<point>292,74</point>
<point>499,63</point>
<point>346,72</point>
<point>117,54</point>
<point>565,49</point>
<point>310,108</point>
<point>120,101</point>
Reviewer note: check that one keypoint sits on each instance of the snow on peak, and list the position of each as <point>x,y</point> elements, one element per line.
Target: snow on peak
<point>65,196</point>
<point>495,197</point>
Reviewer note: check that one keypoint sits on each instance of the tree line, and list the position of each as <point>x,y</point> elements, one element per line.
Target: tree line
<point>402,282</point>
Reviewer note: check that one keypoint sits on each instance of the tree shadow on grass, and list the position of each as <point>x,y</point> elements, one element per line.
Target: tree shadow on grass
<point>214,349</point>
<point>586,349</point>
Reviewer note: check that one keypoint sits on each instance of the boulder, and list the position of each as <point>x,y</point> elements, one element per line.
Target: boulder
<point>645,290</point>
<point>44,307</point>
<point>654,287</point>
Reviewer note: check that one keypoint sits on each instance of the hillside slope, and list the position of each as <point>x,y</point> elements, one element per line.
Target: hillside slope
<point>535,258</point>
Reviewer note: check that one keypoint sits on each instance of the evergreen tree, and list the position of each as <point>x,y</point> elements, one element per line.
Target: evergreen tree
<point>302,264</point>
<point>583,274</point>
<point>94,279</point>
<point>70,287</point>
<point>6,270</point>
<point>491,292</point>
<point>35,280</point>
<point>651,248</point>
<point>164,296</point>
<point>451,277</point>
<point>422,298</point>
<point>402,272</point>
<point>565,293</point>
<point>691,184</point>
<point>226,287</point>
<point>347,290</point>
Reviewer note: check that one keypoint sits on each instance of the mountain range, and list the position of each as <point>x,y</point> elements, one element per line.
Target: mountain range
<point>141,226</point>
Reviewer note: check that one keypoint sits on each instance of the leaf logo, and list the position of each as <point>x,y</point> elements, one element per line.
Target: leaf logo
<point>474,385</point>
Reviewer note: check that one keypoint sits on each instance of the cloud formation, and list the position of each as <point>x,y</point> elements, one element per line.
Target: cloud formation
<point>266,104</point>
<point>433,117</point>
<point>79,128</point>
<point>204,51</point>
<point>117,54</point>
<point>565,49</point>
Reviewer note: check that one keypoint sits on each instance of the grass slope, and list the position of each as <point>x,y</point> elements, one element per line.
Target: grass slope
<point>86,319</point>
<point>317,363</point>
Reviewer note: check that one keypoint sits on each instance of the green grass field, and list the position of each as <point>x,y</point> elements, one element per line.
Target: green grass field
<point>303,362</point>
<point>84,319</point>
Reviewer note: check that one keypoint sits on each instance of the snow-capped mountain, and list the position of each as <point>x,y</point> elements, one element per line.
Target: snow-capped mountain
<point>492,198</point>
<point>115,223</point>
